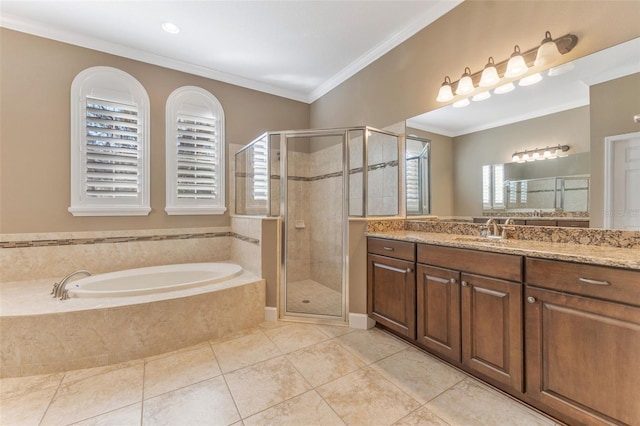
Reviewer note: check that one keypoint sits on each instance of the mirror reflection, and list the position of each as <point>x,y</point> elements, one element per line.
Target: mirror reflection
<point>578,109</point>
<point>417,175</point>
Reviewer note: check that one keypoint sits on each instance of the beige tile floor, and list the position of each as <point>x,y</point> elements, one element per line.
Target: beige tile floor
<point>311,297</point>
<point>275,374</point>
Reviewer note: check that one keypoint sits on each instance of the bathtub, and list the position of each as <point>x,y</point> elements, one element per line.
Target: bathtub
<point>118,316</point>
<point>154,279</point>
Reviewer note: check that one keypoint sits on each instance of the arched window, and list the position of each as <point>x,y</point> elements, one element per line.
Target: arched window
<point>109,144</point>
<point>195,153</point>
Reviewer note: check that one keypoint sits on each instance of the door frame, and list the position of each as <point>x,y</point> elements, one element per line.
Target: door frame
<point>609,142</point>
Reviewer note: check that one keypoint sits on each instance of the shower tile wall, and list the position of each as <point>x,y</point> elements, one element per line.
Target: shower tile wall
<point>298,240</point>
<point>326,203</point>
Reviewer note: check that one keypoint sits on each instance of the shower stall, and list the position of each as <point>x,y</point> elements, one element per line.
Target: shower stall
<point>314,180</point>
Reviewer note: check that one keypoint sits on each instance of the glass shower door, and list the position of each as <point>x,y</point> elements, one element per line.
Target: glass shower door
<point>314,225</point>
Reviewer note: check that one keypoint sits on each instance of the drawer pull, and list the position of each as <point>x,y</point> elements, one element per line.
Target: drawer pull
<point>388,248</point>
<point>441,280</point>
<point>593,282</point>
<point>531,299</point>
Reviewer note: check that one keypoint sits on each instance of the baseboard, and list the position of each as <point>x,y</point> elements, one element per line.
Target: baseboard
<point>270,314</point>
<point>361,321</point>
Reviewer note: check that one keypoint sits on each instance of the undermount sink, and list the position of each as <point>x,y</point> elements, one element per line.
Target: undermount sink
<point>476,239</point>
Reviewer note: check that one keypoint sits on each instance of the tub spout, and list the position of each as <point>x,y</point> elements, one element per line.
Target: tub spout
<point>59,289</point>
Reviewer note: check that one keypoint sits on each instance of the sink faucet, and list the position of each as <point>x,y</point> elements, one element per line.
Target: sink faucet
<point>59,288</point>
<point>493,231</point>
<point>507,222</point>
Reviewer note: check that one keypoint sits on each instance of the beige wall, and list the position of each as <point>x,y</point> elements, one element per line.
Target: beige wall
<point>496,145</point>
<point>405,82</point>
<point>613,105</point>
<point>35,82</point>
<point>441,171</point>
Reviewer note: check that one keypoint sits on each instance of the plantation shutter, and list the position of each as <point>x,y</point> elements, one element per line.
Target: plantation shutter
<point>498,186</point>
<point>197,157</point>
<point>486,187</point>
<point>412,182</point>
<point>260,171</point>
<point>113,150</point>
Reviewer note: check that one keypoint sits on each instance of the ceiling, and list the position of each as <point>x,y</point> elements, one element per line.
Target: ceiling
<point>552,94</point>
<point>297,49</point>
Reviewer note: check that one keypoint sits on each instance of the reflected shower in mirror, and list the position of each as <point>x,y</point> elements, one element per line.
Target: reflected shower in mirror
<point>554,185</point>
<point>417,154</point>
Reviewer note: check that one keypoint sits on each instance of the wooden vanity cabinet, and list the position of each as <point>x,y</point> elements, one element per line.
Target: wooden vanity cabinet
<point>582,327</point>
<point>438,311</point>
<point>391,285</point>
<point>469,310</point>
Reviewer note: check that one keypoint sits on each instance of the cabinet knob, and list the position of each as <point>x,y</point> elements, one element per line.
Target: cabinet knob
<point>409,270</point>
<point>464,283</point>
<point>452,280</point>
<point>531,299</point>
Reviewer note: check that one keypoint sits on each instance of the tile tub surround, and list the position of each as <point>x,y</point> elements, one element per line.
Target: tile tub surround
<point>52,336</point>
<point>268,375</point>
<point>36,256</point>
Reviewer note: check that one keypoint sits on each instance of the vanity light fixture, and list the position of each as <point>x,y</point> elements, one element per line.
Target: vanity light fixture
<point>445,93</point>
<point>539,153</point>
<point>518,64</point>
<point>548,51</point>
<point>489,74</point>
<point>461,103</point>
<point>465,84</point>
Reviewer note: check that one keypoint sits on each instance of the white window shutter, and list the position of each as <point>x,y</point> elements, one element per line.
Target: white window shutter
<point>194,153</point>
<point>109,144</point>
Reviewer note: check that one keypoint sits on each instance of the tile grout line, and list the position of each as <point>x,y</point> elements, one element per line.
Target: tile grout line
<point>226,383</point>
<point>53,397</point>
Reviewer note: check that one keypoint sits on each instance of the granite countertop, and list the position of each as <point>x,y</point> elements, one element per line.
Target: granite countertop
<point>628,258</point>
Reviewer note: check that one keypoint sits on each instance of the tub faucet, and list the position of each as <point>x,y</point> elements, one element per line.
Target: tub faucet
<point>59,288</point>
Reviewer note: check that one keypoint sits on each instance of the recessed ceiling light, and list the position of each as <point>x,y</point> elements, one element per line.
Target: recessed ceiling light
<point>170,27</point>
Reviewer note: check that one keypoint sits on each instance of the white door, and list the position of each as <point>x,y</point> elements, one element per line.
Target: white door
<point>623,176</point>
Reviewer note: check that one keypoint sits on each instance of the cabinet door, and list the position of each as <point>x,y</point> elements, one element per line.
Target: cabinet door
<point>583,357</point>
<point>492,329</point>
<point>391,295</point>
<point>438,310</point>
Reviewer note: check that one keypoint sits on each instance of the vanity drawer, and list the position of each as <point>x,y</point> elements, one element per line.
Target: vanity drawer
<point>619,285</point>
<point>392,248</point>
<point>496,265</point>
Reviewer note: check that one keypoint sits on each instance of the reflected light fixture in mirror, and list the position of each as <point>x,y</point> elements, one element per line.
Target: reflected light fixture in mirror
<point>461,103</point>
<point>481,96</point>
<point>530,80</point>
<point>505,88</point>
<point>539,153</point>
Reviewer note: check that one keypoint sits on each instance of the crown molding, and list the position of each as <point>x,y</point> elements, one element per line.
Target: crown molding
<point>35,28</point>
<point>441,8</point>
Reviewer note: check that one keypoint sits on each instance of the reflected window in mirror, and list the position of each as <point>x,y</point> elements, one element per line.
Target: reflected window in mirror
<point>417,154</point>
<point>493,187</point>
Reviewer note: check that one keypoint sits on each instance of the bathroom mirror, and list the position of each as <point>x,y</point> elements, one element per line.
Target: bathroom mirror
<point>554,111</point>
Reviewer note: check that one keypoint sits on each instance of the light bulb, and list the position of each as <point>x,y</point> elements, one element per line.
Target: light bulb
<point>516,65</point>
<point>530,79</point>
<point>548,51</point>
<point>489,74</point>
<point>465,84</point>
<point>481,96</point>
<point>461,103</point>
<point>505,88</point>
<point>445,93</point>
